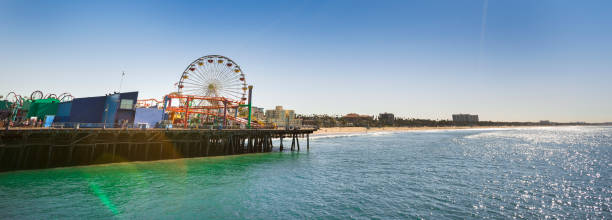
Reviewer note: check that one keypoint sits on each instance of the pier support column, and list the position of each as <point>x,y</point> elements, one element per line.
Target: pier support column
<point>146,157</point>
<point>207,143</point>
<point>292,142</point>
<point>262,144</point>
<point>49,156</point>
<point>297,141</point>
<point>265,144</point>
<point>227,145</point>
<point>114,151</point>
<point>91,155</point>
<point>161,151</point>
<point>307,142</point>
<point>27,157</point>
<point>1,154</point>
<point>115,141</point>
<point>200,148</point>
<point>71,149</point>
<point>70,152</point>
<point>255,144</point>
<point>19,162</point>
<point>269,139</point>
<point>281,143</point>
<point>129,151</point>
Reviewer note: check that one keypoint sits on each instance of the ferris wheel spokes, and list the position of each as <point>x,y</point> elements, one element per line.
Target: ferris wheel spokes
<point>213,76</point>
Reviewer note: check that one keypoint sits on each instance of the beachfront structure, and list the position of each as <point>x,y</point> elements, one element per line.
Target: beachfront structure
<point>545,122</point>
<point>386,118</point>
<point>465,118</point>
<point>282,117</point>
<point>320,120</point>
<point>354,119</point>
<point>355,115</point>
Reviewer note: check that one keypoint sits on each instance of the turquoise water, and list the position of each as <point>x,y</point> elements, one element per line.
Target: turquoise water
<point>563,172</point>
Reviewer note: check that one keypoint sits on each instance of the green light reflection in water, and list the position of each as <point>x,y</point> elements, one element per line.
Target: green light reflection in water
<point>103,197</point>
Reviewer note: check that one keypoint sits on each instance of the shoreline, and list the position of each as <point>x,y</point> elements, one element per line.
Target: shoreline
<point>359,130</point>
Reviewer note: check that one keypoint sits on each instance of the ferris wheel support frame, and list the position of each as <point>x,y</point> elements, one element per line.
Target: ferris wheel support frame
<point>186,109</point>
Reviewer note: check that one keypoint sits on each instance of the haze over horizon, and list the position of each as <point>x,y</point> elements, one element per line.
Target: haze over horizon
<point>528,60</point>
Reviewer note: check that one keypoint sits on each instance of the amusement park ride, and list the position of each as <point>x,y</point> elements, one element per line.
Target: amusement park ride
<point>211,90</point>
<point>18,100</point>
<point>18,105</point>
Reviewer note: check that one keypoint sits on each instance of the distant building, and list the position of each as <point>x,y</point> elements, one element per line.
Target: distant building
<point>319,120</point>
<point>386,118</point>
<point>258,113</point>
<point>465,118</point>
<point>355,115</point>
<point>354,119</point>
<point>545,122</point>
<point>282,117</point>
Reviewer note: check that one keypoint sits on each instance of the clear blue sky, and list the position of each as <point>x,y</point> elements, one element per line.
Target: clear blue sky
<point>531,60</point>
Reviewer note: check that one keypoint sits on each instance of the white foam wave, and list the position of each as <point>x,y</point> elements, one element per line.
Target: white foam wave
<point>355,134</point>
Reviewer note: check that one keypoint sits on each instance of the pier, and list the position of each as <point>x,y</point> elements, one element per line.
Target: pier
<point>22,149</point>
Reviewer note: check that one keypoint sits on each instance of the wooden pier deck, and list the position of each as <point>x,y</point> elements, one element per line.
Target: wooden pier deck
<point>22,149</point>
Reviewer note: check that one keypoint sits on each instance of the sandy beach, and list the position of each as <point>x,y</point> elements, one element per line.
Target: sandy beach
<point>354,130</point>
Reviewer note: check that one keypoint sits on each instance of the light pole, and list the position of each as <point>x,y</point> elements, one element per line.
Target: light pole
<point>250,105</point>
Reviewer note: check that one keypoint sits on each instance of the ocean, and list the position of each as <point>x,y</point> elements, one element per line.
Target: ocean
<point>531,173</point>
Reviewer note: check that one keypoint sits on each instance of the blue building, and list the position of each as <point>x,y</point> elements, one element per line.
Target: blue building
<point>148,117</point>
<point>63,112</point>
<point>111,109</point>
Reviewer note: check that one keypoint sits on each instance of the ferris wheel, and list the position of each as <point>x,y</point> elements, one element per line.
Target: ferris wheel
<point>213,76</point>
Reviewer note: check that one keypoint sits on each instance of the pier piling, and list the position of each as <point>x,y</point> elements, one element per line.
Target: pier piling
<point>307,142</point>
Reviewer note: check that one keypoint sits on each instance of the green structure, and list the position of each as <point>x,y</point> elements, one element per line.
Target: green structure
<point>42,107</point>
<point>4,105</point>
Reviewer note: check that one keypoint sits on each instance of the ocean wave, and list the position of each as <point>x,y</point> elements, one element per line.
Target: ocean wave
<point>355,134</point>
<point>389,132</point>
